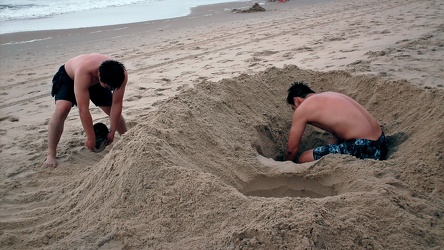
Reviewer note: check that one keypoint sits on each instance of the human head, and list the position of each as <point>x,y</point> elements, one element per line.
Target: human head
<point>112,73</point>
<point>298,89</point>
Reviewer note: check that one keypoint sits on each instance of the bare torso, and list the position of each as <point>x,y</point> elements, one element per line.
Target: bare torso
<point>85,65</point>
<point>340,115</point>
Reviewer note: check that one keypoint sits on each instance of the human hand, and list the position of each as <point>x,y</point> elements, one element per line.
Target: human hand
<point>110,138</point>
<point>90,143</point>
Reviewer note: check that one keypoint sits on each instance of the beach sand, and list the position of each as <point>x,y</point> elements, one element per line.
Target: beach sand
<point>200,167</point>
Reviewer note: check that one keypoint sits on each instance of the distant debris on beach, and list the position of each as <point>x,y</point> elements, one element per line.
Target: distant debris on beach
<point>256,8</point>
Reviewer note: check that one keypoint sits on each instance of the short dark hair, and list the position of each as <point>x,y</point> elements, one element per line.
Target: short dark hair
<point>298,89</point>
<point>112,73</point>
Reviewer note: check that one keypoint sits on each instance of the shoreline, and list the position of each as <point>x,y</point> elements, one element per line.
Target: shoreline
<point>192,13</point>
<point>111,15</point>
<point>202,18</point>
<point>14,45</point>
<point>211,13</point>
<point>205,13</point>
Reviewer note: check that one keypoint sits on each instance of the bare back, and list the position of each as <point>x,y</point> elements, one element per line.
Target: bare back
<point>85,67</point>
<point>340,115</point>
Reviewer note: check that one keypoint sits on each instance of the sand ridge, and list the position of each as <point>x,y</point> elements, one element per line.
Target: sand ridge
<point>200,167</point>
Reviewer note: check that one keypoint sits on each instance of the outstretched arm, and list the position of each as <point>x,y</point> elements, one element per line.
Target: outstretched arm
<point>297,129</point>
<point>81,86</point>
<point>116,110</point>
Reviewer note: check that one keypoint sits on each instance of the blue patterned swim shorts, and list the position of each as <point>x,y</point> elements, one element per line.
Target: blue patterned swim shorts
<point>360,148</point>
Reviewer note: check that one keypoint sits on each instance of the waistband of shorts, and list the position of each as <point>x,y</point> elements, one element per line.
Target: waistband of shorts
<point>62,69</point>
<point>380,139</point>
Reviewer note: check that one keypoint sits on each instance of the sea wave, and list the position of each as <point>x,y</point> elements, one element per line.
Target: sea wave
<point>29,9</point>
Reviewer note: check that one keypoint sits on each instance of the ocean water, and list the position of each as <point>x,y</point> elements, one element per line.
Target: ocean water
<point>32,15</point>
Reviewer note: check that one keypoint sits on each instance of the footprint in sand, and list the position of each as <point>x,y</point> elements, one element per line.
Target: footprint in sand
<point>265,53</point>
<point>133,98</point>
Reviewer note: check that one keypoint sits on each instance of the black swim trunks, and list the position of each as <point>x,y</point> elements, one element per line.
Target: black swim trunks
<point>360,148</point>
<point>63,89</point>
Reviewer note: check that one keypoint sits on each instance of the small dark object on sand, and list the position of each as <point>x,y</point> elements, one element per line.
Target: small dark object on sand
<point>101,131</point>
<point>256,8</point>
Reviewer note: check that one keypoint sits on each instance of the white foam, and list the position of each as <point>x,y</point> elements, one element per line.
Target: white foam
<point>28,9</point>
<point>29,15</point>
<point>29,41</point>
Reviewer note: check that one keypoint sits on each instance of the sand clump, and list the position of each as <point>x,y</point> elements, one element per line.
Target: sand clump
<point>255,8</point>
<point>201,174</point>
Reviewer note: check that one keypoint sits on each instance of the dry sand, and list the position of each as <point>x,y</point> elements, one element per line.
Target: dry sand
<point>199,167</point>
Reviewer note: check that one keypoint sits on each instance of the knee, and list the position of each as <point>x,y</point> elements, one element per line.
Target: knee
<point>62,111</point>
<point>307,156</point>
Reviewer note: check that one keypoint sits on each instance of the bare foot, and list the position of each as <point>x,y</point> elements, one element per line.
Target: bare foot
<point>50,162</point>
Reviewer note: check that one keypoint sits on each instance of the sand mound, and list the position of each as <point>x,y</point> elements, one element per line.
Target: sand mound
<point>200,173</point>
<point>255,8</point>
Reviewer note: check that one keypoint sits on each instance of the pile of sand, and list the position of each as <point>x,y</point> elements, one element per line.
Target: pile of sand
<point>255,8</point>
<point>201,165</point>
<point>199,173</point>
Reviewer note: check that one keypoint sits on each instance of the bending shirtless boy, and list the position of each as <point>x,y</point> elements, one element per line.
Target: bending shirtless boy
<point>356,131</point>
<point>92,77</point>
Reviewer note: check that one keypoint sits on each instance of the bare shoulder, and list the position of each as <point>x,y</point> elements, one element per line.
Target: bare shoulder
<point>87,59</point>
<point>321,105</point>
<point>329,94</point>
<point>330,98</point>
<point>319,99</point>
<point>85,63</point>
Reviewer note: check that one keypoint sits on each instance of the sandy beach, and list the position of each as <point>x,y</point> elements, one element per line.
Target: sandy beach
<point>201,165</point>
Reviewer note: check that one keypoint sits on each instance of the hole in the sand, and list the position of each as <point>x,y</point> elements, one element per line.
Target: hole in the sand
<point>267,143</point>
<point>272,139</point>
<point>394,141</point>
<point>287,186</point>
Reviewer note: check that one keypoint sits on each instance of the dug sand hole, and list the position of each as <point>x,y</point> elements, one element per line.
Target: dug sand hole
<point>287,186</point>
<point>272,139</point>
<point>271,143</point>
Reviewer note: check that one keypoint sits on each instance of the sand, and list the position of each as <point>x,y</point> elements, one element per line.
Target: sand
<point>201,165</point>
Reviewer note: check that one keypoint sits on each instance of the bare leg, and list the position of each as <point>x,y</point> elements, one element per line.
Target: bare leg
<point>121,126</point>
<point>306,156</point>
<point>55,130</point>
